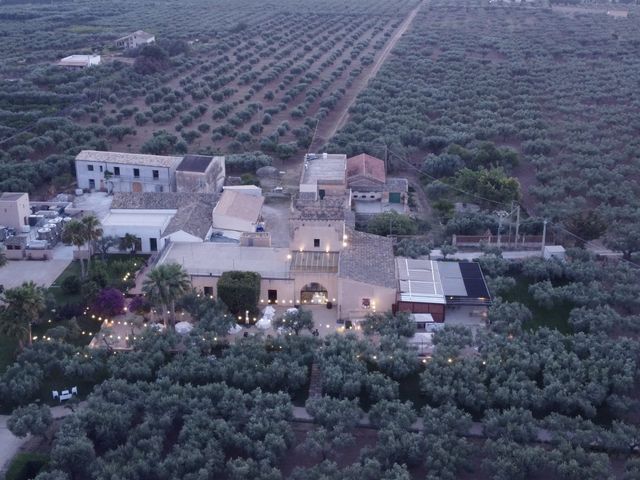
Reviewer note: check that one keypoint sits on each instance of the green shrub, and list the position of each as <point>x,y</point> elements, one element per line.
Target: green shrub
<point>26,465</point>
<point>71,285</point>
<point>240,291</point>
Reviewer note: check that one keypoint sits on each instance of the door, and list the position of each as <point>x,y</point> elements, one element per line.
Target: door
<point>153,244</point>
<point>395,197</point>
<point>92,184</point>
<point>136,187</point>
<point>272,296</point>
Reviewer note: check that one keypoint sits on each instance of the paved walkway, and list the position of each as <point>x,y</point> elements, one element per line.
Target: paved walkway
<point>10,445</point>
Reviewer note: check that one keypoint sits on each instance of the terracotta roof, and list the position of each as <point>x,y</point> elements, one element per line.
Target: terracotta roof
<point>331,207</point>
<point>367,166</point>
<point>368,259</point>
<point>194,219</point>
<point>239,205</point>
<point>159,200</point>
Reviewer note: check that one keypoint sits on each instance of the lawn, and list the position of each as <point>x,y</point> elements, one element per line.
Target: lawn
<point>556,317</point>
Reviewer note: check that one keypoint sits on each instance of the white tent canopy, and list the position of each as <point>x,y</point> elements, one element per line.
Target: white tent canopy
<point>235,329</point>
<point>183,328</point>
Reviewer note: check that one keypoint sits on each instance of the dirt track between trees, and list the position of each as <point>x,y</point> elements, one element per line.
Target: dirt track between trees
<point>328,128</point>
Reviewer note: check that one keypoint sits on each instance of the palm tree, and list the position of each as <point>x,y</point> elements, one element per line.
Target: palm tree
<point>164,285</point>
<point>23,306</point>
<point>92,232</point>
<point>74,233</point>
<point>129,242</point>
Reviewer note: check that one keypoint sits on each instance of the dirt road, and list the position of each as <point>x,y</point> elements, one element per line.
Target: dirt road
<point>327,128</point>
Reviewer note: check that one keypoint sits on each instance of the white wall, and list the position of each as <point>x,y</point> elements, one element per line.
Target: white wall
<point>352,292</point>
<point>224,222</point>
<point>124,182</point>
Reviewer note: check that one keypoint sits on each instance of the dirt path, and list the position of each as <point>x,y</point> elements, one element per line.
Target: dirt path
<point>326,130</point>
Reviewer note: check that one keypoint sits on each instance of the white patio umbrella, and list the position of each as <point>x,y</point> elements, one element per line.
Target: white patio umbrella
<point>182,328</point>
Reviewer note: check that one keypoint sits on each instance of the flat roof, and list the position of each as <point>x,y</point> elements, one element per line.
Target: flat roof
<point>428,281</point>
<point>419,281</point>
<point>134,220</point>
<point>11,196</point>
<point>321,167</point>
<point>213,259</point>
<point>128,158</point>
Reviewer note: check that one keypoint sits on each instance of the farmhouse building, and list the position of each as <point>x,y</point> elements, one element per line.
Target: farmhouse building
<point>436,288</point>
<point>372,191</point>
<point>158,218</point>
<point>328,261</point>
<point>14,210</point>
<point>126,172</point>
<point>135,39</point>
<point>79,61</point>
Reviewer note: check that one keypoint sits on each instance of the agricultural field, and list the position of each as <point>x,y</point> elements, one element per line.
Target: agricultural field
<point>226,77</point>
<point>474,94</point>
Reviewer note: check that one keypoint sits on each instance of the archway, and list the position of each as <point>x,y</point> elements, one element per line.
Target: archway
<point>314,293</point>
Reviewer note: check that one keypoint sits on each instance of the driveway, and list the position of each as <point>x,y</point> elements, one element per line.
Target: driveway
<point>42,272</point>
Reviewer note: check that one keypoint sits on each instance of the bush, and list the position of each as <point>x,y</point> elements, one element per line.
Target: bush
<point>71,285</point>
<point>109,302</point>
<point>239,291</point>
<point>26,465</point>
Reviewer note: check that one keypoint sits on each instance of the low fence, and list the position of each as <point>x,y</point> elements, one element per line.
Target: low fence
<point>477,241</point>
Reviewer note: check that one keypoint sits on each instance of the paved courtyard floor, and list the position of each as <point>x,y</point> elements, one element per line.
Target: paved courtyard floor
<point>42,272</point>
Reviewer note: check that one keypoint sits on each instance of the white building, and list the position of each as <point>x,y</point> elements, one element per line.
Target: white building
<point>126,172</point>
<point>135,39</point>
<point>157,218</point>
<point>80,61</point>
<point>200,174</point>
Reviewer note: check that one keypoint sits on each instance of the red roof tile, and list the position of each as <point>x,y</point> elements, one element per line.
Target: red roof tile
<point>367,166</point>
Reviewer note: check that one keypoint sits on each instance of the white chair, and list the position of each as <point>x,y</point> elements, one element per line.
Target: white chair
<point>55,394</point>
<point>74,390</point>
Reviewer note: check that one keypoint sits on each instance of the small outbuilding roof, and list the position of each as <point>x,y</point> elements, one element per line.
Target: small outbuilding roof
<point>367,166</point>
<point>368,259</point>
<point>11,196</point>
<point>194,219</point>
<point>195,163</point>
<point>239,205</point>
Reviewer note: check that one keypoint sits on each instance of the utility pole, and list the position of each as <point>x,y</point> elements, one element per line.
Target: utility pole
<point>544,235</point>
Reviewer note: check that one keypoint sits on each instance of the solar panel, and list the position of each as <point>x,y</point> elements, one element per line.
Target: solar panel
<point>473,280</point>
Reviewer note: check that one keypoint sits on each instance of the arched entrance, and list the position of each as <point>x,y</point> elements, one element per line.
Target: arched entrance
<point>314,293</point>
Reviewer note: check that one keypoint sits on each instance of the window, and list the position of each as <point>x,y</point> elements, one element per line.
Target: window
<point>90,168</point>
<point>156,174</point>
<point>421,325</point>
<point>116,171</point>
<point>366,303</point>
<point>208,292</point>
<point>136,172</point>
<point>100,168</point>
<point>321,193</point>
<point>316,242</point>
<point>153,244</point>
